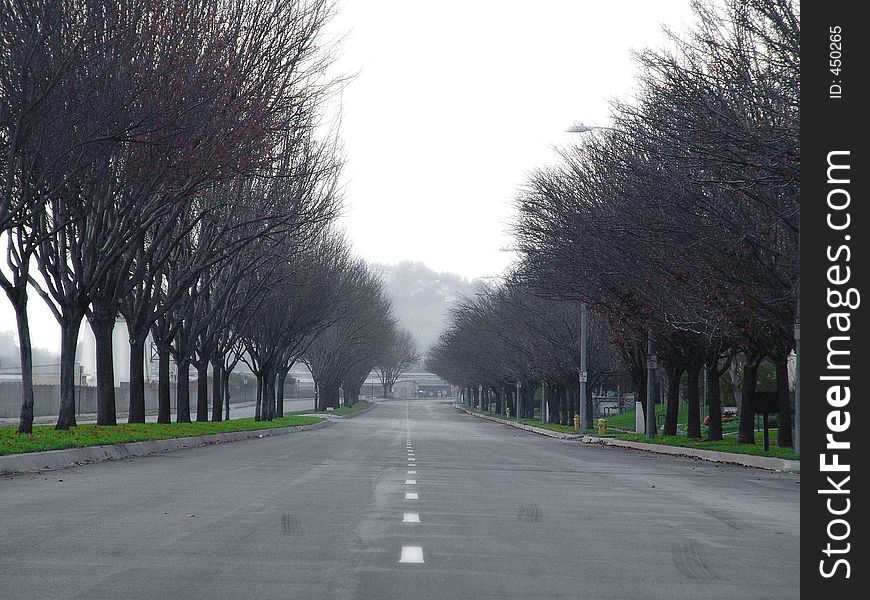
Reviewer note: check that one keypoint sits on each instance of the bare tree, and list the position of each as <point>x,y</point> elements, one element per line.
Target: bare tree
<point>400,356</point>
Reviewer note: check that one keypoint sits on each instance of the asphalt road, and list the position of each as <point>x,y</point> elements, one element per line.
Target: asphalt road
<point>502,514</point>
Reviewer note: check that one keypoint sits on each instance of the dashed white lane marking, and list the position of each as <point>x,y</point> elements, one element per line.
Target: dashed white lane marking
<point>412,554</point>
<point>412,472</point>
<point>412,496</point>
<point>411,518</point>
<point>410,482</point>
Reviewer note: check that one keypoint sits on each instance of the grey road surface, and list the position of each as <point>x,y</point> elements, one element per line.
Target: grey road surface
<point>502,514</point>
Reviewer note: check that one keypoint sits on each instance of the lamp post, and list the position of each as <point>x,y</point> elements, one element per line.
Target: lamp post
<point>797,378</point>
<point>650,387</point>
<point>584,375</point>
<point>584,320</point>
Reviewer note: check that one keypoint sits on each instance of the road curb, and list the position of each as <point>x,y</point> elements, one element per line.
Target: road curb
<point>51,460</point>
<point>359,412</point>
<point>746,460</point>
<point>547,432</point>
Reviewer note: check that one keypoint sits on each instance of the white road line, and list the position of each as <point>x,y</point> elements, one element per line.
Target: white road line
<point>411,518</point>
<point>410,482</point>
<point>412,496</point>
<point>412,472</point>
<point>412,554</point>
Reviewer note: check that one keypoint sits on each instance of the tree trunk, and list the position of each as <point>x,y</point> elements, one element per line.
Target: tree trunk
<point>327,396</point>
<point>553,403</point>
<point>69,333</point>
<point>217,367</point>
<point>258,407</point>
<point>136,412</point>
<point>164,398</point>
<point>25,351</point>
<point>746,433</point>
<point>672,411</point>
<point>269,404</point>
<point>202,391</point>
<point>103,325</point>
<point>182,391</point>
<point>693,399</point>
<point>279,401</point>
<point>783,417</point>
<point>563,405</point>
<point>225,376</point>
<point>714,401</point>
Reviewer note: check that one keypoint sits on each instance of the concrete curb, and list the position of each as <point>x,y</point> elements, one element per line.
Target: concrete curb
<point>359,412</point>
<point>71,457</point>
<point>332,417</point>
<point>746,460</point>
<point>547,432</point>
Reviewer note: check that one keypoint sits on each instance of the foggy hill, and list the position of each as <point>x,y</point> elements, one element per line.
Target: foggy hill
<point>422,297</point>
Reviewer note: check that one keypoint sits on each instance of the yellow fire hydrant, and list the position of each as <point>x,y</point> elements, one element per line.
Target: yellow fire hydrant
<point>576,422</point>
<point>602,426</point>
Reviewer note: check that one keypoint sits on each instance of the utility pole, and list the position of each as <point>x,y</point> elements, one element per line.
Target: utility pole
<point>797,377</point>
<point>584,375</point>
<point>650,386</point>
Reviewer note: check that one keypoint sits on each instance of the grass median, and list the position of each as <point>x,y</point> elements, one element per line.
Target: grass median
<point>342,411</point>
<point>728,444</point>
<point>45,437</point>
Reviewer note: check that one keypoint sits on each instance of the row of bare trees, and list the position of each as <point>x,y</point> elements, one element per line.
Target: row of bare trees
<point>168,161</point>
<point>508,341</point>
<point>683,219</point>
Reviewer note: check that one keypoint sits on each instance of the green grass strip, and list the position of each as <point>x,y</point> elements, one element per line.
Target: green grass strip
<point>728,444</point>
<point>344,410</point>
<point>45,437</point>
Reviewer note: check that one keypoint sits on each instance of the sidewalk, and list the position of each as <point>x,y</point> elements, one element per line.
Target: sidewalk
<point>746,460</point>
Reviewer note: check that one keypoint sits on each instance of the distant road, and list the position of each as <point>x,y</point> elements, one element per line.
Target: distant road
<point>409,500</point>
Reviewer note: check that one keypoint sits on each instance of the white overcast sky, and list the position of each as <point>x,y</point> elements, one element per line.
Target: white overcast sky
<point>455,101</point>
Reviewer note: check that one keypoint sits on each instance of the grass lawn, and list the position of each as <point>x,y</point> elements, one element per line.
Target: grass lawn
<point>45,437</point>
<point>626,420</point>
<point>729,444</point>
<point>344,410</point>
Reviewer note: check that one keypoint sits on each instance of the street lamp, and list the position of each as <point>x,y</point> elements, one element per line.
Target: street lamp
<point>584,321</point>
<point>581,128</point>
<point>584,375</point>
